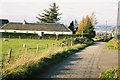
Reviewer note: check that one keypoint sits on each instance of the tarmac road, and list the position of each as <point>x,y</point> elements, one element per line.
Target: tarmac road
<point>87,63</point>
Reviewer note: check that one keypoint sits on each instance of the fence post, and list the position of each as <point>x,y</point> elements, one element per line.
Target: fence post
<point>26,48</point>
<point>47,46</point>
<point>37,48</point>
<point>2,64</point>
<point>71,43</point>
<point>9,36</point>
<point>19,37</point>
<point>9,55</point>
<point>53,44</point>
<point>61,45</point>
<point>57,44</point>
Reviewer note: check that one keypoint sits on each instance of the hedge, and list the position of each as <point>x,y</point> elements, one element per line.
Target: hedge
<point>45,36</point>
<point>64,36</point>
<point>18,35</point>
<point>49,36</point>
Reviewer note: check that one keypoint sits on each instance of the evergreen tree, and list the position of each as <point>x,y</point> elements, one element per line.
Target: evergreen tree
<point>50,16</point>
<point>71,26</point>
<point>86,26</point>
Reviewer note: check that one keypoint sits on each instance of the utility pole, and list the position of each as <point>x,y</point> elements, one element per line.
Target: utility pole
<point>106,31</point>
<point>116,30</point>
<point>118,19</point>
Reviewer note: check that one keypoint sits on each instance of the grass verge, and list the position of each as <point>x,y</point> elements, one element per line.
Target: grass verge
<point>113,44</point>
<point>112,74</point>
<point>31,68</point>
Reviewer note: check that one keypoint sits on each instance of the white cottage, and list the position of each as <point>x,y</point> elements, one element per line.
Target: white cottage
<point>39,28</point>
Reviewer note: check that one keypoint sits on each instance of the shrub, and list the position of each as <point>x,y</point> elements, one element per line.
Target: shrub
<point>81,40</point>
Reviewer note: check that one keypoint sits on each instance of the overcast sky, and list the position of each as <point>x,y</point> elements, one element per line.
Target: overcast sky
<point>19,10</point>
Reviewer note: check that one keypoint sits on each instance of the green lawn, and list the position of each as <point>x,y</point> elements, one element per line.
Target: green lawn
<point>18,50</point>
<point>24,63</point>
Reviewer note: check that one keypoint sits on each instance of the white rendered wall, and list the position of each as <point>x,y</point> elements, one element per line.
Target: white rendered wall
<point>38,32</point>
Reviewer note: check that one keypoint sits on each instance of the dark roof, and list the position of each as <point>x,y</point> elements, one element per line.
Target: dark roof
<point>36,27</point>
<point>3,21</point>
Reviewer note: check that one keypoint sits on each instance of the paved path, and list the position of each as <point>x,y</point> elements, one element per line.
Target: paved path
<point>87,63</point>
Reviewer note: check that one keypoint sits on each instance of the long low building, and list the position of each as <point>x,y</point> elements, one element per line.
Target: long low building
<point>39,28</point>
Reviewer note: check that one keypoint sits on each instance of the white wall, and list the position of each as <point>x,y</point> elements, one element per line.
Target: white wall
<point>38,32</point>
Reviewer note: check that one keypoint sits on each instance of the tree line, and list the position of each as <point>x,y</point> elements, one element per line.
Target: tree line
<point>52,15</point>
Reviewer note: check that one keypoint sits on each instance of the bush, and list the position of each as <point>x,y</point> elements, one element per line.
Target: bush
<point>81,40</point>
<point>67,42</point>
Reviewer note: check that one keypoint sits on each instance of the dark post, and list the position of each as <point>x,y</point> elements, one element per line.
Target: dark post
<point>26,48</point>
<point>9,55</point>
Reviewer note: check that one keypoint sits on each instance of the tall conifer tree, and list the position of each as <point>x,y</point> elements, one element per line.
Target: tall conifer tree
<point>49,16</point>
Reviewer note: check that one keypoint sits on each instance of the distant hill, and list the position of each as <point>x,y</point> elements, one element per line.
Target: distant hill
<point>102,28</point>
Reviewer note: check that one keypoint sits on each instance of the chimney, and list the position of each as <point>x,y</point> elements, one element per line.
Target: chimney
<point>24,22</point>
